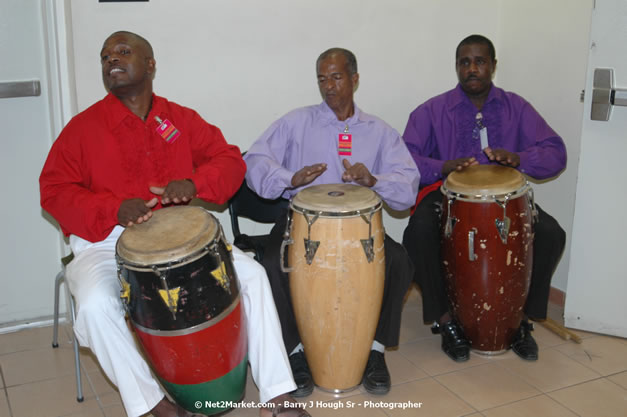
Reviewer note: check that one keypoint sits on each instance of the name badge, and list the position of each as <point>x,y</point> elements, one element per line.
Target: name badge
<point>167,130</point>
<point>345,144</point>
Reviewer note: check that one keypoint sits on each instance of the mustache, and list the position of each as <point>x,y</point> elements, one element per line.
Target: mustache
<point>471,77</point>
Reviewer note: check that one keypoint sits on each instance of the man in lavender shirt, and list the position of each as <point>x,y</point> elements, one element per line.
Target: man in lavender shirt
<point>479,123</point>
<point>302,149</point>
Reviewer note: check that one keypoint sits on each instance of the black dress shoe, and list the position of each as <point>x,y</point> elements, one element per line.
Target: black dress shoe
<point>523,344</point>
<point>302,375</point>
<point>454,343</point>
<point>376,377</point>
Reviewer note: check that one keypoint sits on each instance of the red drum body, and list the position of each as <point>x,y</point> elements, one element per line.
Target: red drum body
<point>487,249</point>
<point>182,296</point>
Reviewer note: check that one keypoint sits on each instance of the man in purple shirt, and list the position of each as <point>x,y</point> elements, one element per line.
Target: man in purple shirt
<point>479,123</point>
<point>302,149</point>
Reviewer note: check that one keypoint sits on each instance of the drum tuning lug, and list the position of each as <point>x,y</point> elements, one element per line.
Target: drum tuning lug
<point>448,228</point>
<point>472,256</point>
<point>503,228</point>
<point>311,246</point>
<point>368,245</point>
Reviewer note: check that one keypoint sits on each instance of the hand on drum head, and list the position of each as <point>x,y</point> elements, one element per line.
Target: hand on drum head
<point>457,164</point>
<point>135,211</point>
<point>357,173</point>
<point>307,174</point>
<point>181,191</point>
<point>502,156</point>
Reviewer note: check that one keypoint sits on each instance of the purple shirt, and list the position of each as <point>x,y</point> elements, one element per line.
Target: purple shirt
<point>310,135</point>
<point>441,129</point>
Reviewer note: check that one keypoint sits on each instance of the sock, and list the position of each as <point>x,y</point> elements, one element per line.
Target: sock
<point>378,347</point>
<point>298,348</point>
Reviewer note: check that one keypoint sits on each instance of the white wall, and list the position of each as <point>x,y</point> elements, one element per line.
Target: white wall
<point>244,63</point>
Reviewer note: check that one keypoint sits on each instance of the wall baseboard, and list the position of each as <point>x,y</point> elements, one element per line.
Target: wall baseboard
<point>557,297</point>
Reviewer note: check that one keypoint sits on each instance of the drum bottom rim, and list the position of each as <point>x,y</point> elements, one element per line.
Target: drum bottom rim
<point>337,390</point>
<point>489,352</point>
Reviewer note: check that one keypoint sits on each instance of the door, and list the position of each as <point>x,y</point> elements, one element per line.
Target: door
<point>597,281</point>
<point>30,246</point>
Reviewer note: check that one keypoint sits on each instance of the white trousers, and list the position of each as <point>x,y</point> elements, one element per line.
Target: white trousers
<point>100,325</point>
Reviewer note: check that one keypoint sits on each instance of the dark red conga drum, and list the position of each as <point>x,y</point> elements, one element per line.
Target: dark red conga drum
<point>487,249</point>
<point>183,299</point>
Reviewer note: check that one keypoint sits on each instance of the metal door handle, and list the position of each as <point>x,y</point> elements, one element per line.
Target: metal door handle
<point>604,95</point>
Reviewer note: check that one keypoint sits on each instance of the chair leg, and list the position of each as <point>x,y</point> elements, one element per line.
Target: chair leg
<point>55,331</point>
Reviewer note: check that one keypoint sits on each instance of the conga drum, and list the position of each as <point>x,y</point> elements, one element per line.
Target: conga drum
<point>183,299</point>
<point>336,273</point>
<point>487,250</point>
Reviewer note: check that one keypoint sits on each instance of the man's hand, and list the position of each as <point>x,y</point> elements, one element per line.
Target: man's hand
<point>135,211</point>
<point>307,174</point>
<point>357,173</point>
<point>502,156</point>
<point>180,191</point>
<point>457,165</point>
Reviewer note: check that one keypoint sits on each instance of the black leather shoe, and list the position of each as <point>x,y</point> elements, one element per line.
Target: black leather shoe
<point>376,377</point>
<point>454,343</point>
<point>523,344</point>
<point>302,375</point>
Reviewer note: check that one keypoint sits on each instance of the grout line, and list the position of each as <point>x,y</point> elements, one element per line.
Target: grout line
<point>6,391</point>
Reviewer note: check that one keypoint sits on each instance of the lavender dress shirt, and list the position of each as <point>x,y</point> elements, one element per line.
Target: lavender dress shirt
<point>309,135</point>
<point>442,128</point>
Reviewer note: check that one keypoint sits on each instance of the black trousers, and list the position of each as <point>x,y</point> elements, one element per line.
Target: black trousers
<point>422,241</point>
<point>398,275</point>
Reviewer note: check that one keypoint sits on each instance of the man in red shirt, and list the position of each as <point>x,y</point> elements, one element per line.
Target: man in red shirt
<point>111,168</point>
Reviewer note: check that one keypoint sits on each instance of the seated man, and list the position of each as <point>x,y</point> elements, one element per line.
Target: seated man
<point>479,123</point>
<point>109,169</point>
<point>302,149</point>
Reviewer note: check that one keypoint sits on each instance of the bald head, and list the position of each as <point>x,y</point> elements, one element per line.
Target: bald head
<point>138,40</point>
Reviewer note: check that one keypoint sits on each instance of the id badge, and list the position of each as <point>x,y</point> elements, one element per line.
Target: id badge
<point>167,130</point>
<point>345,144</point>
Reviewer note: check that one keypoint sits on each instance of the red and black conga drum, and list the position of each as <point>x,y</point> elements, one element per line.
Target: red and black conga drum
<point>183,299</point>
<point>487,251</point>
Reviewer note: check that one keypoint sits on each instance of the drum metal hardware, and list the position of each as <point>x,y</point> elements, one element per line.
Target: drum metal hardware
<point>472,256</point>
<point>170,298</point>
<point>311,246</point>
<point>503,225</point>
<point>287,240</point>
<point>532,206</point>
<point>368,244</point>
<point>450,220</point>
<point>125,292</point>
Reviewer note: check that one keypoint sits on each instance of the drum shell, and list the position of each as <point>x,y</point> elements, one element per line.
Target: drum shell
<point>487,295</point>
<point>198,352</point>
<point>337,298</point>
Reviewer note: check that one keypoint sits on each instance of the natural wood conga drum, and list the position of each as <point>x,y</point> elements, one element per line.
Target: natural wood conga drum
<point>336,280</point>
<point>487,249</point>
<point>183,299</point>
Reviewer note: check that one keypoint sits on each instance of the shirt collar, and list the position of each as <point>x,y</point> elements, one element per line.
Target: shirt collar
<point>458,96</point>
<point>117,112</point>
<point>328,116</point>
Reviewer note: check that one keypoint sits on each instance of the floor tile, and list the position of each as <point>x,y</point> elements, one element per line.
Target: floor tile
<point>27,339</point>
<point>401,369</point>
<point>114,411</point>
<point>553,370</point>
<point>545,337</point>
<point>541,405</point>
<point>599,398</point>
<point>53,397</point>
<point>620,379</point>
<point>4,405</point>
<point>100,384</point>
<point>428,355</point>
<point>605,355</point>
<point>487,386</point>
<point>37,365</point>
<point>354,406</point>
<point>427,398</point>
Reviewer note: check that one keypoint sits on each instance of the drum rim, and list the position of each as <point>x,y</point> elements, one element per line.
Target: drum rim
<point>165,266</point>
<point>192,329</point>
<point>480,198</point>
<point>348,213</point>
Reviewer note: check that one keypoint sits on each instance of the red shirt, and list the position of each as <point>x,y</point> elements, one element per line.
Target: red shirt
<point>106,154</point>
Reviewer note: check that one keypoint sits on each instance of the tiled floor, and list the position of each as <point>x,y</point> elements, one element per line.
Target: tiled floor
<point>569,379</point>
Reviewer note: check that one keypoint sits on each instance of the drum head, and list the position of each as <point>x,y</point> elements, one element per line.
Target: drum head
<point>171,234</point>
<point>484,180</point>
<point>335,198</point>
